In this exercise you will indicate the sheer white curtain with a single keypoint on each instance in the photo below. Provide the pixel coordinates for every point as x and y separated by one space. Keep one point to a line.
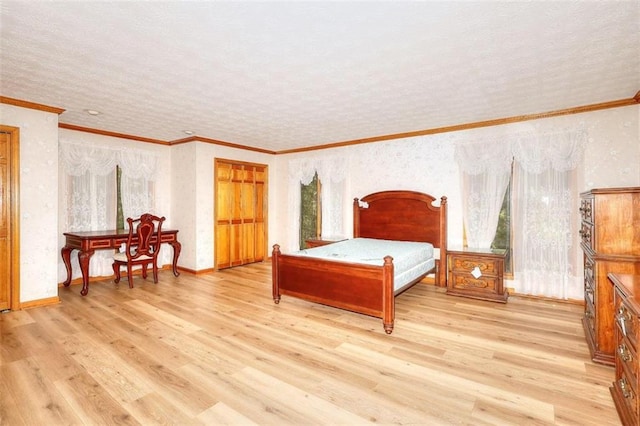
138 182
544 213
332 174
485 167
88 195
87 199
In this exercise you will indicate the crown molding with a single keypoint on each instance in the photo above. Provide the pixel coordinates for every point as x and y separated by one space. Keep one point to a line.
487 123
30 105
113 134
221 143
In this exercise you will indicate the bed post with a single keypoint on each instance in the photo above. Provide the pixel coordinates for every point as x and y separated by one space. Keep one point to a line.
275 257
388 302
356 218
441 280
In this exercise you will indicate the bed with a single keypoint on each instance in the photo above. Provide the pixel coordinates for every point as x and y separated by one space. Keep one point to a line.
367 287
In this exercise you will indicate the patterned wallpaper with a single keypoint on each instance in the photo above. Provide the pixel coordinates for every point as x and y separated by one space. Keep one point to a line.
38 200
183 200
612 158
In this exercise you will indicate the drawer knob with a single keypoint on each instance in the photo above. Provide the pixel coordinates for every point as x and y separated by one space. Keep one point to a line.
623 387
624 352
622 317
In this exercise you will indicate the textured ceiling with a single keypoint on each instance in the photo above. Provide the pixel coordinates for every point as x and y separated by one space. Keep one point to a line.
285 75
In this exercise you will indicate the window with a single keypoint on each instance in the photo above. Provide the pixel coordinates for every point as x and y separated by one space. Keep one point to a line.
310 210
502 240
88 187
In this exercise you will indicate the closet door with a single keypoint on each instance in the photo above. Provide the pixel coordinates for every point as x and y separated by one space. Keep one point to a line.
240 213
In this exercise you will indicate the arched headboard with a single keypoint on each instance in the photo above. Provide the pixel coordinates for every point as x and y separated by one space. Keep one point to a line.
403 216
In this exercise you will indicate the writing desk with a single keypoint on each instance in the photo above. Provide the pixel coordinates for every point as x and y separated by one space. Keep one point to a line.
87 242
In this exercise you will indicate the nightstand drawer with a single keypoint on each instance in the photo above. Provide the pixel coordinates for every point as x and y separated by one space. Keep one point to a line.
318 242
468 264
468 282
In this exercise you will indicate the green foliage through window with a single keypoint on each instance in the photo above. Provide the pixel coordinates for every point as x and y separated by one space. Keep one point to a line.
309 211
502 240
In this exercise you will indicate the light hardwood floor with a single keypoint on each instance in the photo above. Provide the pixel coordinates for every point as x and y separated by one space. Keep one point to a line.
215 349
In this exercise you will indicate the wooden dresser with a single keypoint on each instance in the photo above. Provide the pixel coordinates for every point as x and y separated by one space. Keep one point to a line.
477 273
610 234
624 390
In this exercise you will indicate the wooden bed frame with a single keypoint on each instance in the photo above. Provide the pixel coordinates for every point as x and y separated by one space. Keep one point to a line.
367 289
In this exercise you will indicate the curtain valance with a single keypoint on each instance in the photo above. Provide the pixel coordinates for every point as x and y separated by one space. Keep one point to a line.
535 151
329 168
78 158
560 151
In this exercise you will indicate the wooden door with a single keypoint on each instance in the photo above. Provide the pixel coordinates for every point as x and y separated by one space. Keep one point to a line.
9 249
240 217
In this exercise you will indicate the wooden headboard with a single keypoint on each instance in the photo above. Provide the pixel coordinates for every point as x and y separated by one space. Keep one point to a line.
403 216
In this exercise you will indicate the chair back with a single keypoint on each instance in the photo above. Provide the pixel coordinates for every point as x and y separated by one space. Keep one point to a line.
144 229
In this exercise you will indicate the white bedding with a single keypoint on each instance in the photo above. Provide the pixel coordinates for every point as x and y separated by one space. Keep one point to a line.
410 259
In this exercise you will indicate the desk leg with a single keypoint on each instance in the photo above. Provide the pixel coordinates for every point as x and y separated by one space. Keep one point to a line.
177 247
66 258
83 258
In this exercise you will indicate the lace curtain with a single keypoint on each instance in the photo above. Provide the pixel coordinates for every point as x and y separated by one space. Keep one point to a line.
88 195
332 174
485 167
543 201
545 248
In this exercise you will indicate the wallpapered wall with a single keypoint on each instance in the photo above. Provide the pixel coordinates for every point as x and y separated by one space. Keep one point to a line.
612 158
38 200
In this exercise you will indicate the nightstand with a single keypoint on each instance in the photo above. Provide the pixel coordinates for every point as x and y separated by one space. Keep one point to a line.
322 241
477 273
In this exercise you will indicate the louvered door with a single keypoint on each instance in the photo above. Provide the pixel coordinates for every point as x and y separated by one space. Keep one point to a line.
240 213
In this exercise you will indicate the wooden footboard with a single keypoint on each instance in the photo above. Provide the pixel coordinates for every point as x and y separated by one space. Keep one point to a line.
365 289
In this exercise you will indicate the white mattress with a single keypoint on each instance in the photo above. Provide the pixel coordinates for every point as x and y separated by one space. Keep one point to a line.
410 259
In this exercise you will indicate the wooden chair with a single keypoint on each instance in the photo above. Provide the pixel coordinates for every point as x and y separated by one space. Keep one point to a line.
140 250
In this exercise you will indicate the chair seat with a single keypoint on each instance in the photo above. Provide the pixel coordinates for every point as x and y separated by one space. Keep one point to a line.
122 257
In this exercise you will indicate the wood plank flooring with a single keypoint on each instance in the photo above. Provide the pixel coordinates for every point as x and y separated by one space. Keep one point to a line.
215 349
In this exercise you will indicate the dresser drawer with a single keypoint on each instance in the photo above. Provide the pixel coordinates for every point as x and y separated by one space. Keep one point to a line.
589 315
629 397
586 234
588 269
586 209
627 359
486 266
589 292
627 324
